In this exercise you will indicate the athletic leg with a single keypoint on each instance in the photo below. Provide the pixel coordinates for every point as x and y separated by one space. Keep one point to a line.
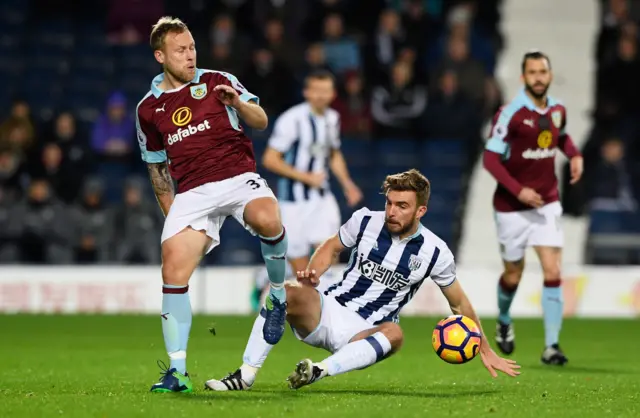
263 216
364 349
303 312
180 257
552 303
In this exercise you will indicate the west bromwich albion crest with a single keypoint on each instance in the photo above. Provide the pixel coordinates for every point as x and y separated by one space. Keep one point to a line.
414 262
556 117
199 91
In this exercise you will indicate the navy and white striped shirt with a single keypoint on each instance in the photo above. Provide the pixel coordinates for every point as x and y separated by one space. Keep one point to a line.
306 140
384 271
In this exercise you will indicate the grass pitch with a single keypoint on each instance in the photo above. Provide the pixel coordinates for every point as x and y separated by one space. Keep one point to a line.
103 366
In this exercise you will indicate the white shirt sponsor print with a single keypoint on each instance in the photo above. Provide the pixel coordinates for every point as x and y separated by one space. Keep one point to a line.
539 153
188 130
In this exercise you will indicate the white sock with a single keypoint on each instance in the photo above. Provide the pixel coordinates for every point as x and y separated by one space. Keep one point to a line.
256 351
358 355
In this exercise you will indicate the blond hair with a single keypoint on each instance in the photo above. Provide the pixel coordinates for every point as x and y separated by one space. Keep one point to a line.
163 26
411 180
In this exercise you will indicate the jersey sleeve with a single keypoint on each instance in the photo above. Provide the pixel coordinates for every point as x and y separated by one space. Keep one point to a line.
285 133
499 131
334 138
149 139
232 80
349 232
444 269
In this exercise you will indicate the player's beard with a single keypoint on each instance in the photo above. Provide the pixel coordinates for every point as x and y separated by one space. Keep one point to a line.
536 94
403 230
180 76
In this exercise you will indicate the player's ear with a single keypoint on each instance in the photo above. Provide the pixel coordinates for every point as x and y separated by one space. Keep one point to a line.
159 55
421 211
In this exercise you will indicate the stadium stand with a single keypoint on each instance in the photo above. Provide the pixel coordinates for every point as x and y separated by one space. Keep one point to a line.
73 76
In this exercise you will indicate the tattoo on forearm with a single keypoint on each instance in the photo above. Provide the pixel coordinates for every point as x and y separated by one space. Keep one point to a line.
160 178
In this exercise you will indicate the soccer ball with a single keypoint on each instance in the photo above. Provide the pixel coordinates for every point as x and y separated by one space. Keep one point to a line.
456 339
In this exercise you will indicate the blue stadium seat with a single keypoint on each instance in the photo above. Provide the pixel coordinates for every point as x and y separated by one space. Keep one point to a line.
397 154
115 174
357 152
606 222
444 153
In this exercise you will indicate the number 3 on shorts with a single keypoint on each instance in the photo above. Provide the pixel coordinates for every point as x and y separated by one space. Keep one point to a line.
255 185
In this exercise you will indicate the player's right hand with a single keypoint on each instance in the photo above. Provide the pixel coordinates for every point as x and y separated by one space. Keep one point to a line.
530 197
308 277
315 179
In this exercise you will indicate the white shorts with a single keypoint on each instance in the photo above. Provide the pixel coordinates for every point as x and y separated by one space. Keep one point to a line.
205 208
309 223
529 228
338 325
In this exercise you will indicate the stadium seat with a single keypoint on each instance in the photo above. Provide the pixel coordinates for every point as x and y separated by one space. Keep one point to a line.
357 153
397 154
444 153
606 222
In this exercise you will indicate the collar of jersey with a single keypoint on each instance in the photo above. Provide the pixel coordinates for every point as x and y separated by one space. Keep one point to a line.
412 236
525 101
160 77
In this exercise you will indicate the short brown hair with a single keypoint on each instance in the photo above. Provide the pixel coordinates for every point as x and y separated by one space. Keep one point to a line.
534 55
411 180
163 26
319 75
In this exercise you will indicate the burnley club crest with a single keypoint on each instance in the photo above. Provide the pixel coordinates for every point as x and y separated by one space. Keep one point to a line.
556 118
199 91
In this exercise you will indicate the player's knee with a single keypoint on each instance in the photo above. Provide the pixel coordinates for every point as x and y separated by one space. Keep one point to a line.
513 273
174 271
551 273
297 297
394 334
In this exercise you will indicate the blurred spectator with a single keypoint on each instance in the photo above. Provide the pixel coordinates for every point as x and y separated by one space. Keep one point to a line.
614 181
220 58
293 13
42 225
9 233
470 73
460 21
17 133
354 108
386 44
223 32
284 49
13 175
92 225
129 21
113 132
450 114
137 226
315 60
21 109
615 16
619 81
421 26
396 106
270 80
341 51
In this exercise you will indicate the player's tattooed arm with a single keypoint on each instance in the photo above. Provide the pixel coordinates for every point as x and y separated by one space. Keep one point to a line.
162 185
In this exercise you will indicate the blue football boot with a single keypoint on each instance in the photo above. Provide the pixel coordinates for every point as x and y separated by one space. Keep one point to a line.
172 381
276 313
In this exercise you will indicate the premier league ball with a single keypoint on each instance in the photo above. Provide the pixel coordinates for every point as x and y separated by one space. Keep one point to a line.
456 339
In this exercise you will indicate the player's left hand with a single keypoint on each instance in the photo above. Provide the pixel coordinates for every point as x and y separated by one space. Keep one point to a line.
577 166
353 194
496 364
227 95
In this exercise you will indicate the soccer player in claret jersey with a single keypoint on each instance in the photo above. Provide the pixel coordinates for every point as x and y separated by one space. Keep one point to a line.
526 135
188 128
356 320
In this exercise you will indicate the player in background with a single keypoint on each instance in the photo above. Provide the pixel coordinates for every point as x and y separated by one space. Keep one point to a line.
305 143
392 254
188 128
526 135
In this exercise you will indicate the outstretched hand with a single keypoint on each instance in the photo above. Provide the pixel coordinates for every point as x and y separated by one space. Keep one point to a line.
495 364
227 95
308 277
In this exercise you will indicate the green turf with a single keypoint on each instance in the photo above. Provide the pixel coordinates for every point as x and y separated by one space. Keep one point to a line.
100 366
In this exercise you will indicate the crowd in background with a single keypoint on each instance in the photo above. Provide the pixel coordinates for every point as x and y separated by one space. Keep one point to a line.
72 187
